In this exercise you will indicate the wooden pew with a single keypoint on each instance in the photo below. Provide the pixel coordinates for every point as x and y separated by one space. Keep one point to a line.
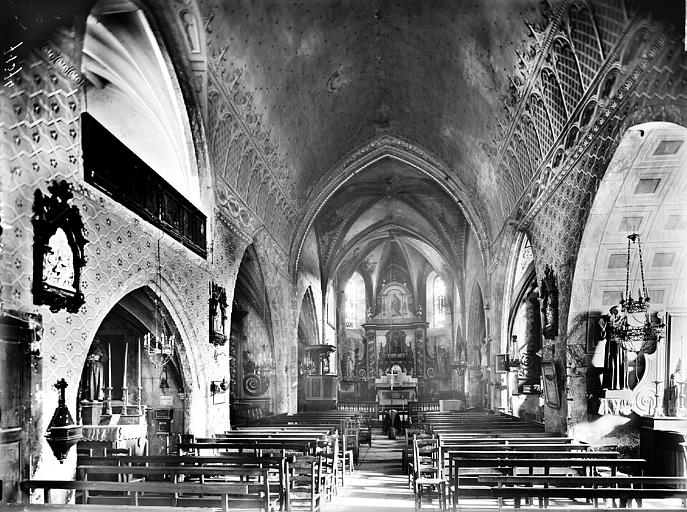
448 446
177 494
532 464
55 507
584 481
256 479
303 446
277 466
529 454
624 494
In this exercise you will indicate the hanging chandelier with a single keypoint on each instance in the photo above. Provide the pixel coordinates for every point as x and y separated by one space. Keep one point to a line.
159 344
633 329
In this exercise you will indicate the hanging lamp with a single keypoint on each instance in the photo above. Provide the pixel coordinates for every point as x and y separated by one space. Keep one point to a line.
159 344
633 329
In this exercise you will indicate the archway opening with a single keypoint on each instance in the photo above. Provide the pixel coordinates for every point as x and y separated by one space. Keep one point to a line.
251 344
126 399
477 352
643 191
524 337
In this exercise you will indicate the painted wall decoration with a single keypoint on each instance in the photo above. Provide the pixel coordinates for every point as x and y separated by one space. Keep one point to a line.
58 249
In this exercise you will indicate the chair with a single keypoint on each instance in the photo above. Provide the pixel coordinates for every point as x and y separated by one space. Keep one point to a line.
329 455
407 453
346 453
410 463
305 484
428 471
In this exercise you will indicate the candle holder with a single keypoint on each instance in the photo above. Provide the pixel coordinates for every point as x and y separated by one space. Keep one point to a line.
108 401
680 409
125 397
140 400
658 413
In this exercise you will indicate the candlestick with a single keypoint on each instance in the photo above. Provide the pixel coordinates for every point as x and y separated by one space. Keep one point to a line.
126 356
658 412
108 404
140 366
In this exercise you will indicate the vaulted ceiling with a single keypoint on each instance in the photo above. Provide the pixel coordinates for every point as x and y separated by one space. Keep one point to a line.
326 77
390 200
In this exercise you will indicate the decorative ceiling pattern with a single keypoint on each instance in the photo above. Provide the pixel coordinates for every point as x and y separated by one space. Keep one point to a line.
325 77
388 200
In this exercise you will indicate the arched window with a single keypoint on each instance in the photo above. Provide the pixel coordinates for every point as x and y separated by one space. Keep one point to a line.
437 301
355 301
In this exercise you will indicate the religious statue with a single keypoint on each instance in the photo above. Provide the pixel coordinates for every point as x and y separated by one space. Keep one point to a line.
484 354
395 343
249 365
395 305
549 309
347 366
444 362
614 361
94 383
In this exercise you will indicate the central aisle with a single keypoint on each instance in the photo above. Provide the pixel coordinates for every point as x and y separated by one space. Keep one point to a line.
378 483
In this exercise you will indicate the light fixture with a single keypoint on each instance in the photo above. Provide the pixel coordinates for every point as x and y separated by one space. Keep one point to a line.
633 329
459 363
159 344
63 433
218 386
307 366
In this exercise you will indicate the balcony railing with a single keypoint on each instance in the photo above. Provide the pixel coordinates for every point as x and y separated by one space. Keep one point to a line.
113 168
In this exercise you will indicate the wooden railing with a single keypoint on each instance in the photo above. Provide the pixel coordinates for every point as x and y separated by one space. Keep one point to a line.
113 168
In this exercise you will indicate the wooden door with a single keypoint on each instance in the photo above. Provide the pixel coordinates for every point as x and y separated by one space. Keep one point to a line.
15 405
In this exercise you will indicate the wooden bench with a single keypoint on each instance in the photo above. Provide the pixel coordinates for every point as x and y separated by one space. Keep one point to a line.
625 494
584 481
558 447
532 464
155 493
256 479
55 507
257 446
277 467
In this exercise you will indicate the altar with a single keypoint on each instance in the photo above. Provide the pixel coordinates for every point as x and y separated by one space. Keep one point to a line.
395 389
117 431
